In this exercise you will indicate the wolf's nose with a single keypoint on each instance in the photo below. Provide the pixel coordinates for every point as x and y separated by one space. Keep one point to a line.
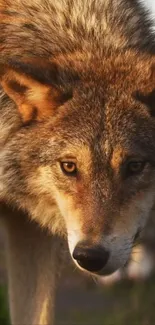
90 258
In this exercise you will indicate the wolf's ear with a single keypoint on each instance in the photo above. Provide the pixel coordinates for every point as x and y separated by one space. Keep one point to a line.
34 86
147 99
146 94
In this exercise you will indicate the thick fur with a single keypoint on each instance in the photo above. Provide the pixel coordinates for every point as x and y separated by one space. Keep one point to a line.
77 84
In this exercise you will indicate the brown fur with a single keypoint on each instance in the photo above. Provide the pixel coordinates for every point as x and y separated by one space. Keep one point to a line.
77 84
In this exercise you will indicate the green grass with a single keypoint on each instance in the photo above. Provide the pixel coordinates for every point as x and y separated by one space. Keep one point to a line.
4 314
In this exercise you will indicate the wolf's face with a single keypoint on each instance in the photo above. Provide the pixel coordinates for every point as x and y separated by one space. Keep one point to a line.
83 162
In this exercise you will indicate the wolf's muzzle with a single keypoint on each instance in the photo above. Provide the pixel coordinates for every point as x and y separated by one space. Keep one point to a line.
90 258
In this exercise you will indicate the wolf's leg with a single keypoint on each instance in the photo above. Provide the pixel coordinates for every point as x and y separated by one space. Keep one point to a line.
34 259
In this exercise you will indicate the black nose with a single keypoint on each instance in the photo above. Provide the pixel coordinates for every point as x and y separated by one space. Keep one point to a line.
90 258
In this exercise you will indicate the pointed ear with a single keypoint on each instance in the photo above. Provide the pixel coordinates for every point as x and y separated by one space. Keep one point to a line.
34 86
147 99
146 94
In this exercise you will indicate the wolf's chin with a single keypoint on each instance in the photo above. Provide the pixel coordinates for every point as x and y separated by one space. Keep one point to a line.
106 271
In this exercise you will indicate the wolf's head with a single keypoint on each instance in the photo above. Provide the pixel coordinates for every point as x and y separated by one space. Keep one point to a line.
82 160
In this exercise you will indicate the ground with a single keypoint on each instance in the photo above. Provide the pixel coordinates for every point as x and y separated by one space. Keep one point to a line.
124 303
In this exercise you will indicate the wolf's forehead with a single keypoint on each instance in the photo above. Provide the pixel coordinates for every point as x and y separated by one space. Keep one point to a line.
100 133
86 144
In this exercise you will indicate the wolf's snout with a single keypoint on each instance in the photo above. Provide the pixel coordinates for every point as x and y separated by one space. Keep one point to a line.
90 258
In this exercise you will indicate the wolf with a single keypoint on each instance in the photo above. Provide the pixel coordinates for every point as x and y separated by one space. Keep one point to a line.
77 141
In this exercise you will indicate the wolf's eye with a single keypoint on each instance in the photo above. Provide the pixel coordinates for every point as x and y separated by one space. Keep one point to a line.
135 167
69 168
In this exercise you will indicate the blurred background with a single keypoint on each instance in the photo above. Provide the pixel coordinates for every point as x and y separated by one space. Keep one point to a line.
127 297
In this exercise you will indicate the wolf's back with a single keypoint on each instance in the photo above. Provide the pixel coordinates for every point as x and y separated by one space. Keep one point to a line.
51 27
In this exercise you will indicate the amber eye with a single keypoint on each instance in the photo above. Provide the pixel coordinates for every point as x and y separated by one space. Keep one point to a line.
69 168
135 167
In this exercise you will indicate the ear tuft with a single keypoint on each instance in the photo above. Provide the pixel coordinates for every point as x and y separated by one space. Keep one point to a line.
147 99
34 86
17 87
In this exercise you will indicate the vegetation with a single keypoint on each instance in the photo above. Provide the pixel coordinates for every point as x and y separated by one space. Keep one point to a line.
4 314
